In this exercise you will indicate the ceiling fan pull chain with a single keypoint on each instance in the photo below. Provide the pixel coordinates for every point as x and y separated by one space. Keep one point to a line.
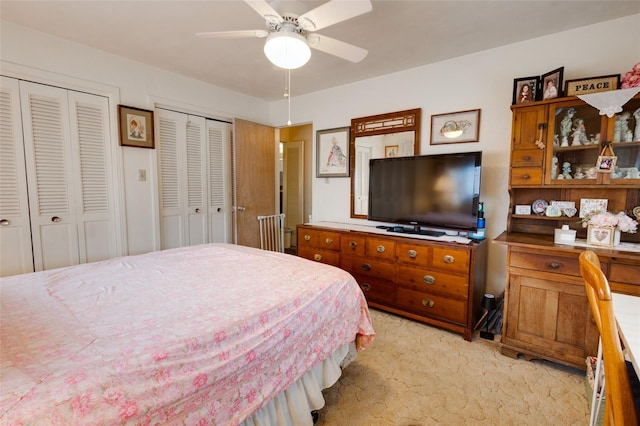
288 95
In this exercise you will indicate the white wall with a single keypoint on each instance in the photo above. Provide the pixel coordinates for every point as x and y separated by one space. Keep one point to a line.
36 56
483 80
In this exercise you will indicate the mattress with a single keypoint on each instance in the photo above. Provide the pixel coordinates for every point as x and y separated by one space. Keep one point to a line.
198 335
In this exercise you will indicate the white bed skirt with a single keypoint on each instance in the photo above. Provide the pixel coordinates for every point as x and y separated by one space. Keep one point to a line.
293 406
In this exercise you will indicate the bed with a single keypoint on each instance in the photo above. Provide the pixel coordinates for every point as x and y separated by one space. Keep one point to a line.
212 334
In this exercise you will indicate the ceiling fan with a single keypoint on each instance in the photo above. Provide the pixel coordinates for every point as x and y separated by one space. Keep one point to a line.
290 35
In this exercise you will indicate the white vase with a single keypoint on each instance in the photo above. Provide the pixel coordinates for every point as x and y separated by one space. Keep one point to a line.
616 237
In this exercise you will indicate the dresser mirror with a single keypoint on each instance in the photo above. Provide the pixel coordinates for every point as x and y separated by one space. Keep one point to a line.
395 134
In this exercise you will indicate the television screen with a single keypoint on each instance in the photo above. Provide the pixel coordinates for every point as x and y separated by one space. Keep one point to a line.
440 191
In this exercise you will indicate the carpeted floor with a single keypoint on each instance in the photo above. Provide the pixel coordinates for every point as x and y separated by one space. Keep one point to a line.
414 374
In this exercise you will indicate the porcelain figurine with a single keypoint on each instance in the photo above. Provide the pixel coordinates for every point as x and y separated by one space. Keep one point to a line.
636 133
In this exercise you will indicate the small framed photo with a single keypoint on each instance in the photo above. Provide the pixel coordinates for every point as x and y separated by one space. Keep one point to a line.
455 127
600 235
525 89
136 127
592 205
391 151
332 152
551 84
606 163
592 85
523 209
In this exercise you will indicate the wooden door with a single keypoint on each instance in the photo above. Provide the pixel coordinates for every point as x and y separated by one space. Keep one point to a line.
254 178
15 231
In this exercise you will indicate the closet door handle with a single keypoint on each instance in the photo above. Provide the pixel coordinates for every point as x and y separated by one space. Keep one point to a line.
197 210
55 219
4 222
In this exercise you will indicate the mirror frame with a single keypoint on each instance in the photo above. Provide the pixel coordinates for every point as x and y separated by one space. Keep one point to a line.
381 124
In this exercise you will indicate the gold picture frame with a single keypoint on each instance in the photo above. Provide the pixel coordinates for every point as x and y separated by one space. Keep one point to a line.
136 127
585 86
391 151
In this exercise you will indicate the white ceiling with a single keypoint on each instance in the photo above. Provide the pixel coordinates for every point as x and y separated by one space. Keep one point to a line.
399 35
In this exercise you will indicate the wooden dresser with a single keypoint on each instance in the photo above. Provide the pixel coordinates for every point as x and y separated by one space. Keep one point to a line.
546 311
438 283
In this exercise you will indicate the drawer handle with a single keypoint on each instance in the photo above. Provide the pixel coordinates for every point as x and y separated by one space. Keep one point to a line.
365 287
366 267
380 249
449 259
307 237
429 279
412 253
428 303
353 244
526 158
526 177
555 265
328 241
317 257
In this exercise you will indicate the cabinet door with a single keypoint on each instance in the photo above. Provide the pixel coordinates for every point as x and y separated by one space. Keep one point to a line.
15 231
219 178
528 142
550 315
49 164
624 131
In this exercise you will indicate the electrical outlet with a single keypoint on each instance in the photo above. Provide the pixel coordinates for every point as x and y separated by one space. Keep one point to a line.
142 175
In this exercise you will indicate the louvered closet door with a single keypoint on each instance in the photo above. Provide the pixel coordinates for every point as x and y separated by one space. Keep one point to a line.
182 162
15 231
49 164
89 119
219 176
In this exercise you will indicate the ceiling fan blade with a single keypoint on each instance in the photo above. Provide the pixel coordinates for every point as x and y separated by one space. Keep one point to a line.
332 12
234 34
337 48
265 10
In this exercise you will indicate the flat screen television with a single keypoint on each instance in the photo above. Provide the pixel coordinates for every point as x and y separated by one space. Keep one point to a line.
435 191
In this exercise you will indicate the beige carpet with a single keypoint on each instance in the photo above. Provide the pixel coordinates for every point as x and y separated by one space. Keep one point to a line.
414 374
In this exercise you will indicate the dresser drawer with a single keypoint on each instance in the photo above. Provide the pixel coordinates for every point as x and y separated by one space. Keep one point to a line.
323 256
432 305
380 248
626 274
527 157
376 289
352 244
367 267
412 254
451 260
433 281
526 176
543 263
322 239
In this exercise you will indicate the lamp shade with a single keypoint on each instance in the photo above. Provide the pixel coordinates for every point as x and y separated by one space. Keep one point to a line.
489 301
287 50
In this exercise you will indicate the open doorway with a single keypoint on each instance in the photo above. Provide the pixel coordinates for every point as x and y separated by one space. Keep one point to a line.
295 185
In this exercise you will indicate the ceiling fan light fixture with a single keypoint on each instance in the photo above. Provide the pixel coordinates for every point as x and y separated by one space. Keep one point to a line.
287 50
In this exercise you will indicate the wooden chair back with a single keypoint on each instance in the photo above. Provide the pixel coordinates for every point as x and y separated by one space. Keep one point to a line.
272 232
619 404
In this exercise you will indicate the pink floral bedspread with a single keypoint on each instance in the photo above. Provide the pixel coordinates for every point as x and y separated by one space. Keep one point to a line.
198 335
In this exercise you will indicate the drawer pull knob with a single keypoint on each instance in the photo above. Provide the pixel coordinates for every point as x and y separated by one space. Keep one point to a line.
366 267
526 177
380 249
329 241
365 287
555 265
429 279
317 257
527 158
428 303
449 259
353 244
307 237
412 253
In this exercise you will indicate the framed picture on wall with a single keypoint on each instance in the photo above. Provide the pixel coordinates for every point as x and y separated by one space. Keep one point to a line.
332 152
525 89
136 127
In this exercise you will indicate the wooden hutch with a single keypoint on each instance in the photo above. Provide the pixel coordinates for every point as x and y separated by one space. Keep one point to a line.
546 312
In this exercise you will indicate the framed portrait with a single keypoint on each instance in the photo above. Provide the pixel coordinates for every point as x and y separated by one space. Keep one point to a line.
592 85
606 163
525 89
332 152
600 235
391 151
551 84
455 127
136 127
